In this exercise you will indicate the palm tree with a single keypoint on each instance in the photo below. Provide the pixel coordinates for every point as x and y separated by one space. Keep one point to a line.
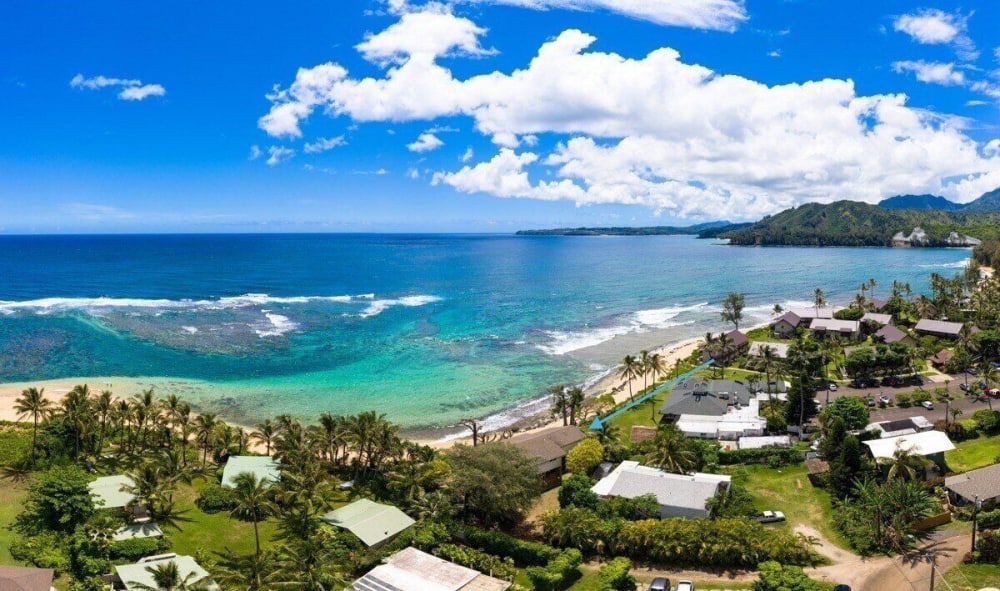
904 464
657 365
872 284
249 572
78 413
103 406
205 428
34 404
167 577
252 502
671 450
575 398
629 370
265 433
819 300
769 355
644 368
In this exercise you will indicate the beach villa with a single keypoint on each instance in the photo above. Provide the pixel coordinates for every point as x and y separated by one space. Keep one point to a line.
735 343
889 334
786 325
714 409
821 327
23 578
139 576
373 523
929 444
679 495
265 468
549 448
939 328
414 570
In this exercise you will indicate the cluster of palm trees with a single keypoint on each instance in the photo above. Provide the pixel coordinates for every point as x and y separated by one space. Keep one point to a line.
643 366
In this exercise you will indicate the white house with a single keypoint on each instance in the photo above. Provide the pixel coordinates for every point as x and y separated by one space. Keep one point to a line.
679 495
413 570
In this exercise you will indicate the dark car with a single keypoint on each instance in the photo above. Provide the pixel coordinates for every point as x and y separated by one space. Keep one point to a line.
963 387
660 584
842 588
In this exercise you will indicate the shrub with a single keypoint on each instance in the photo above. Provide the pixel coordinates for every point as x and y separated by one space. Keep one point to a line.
852 409
215 498
15 443
920 395
760 456
502 568
988 519
615 576
134 549
776 577
522 552
558 573
904 400
575 492
642 507
988 547
586 456
43 551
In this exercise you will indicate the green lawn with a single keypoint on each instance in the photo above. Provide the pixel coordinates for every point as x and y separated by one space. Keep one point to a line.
972 454
788 490
11 499
196 530
971 577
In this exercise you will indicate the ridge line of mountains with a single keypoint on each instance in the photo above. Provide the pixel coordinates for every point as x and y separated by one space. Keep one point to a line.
893 221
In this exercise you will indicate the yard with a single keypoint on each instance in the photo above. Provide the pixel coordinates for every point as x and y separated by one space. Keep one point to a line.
973 453
11 498
196 530
971 577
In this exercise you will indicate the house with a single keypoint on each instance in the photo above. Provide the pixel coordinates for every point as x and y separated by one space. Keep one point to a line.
549 448
109 492
881 319
737 422
890 334
139 576
786 325
818 470
679 495
929 444
983 484
373 523
812 312
414 570
779 350
939 328
825 326
941 358
876 305
714 409
908 426
265 468
760 442
735 343
23 578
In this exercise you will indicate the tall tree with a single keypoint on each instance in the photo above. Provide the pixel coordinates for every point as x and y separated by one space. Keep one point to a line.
628 371
34 404
819 300
672 450
265 433
252 502
732 308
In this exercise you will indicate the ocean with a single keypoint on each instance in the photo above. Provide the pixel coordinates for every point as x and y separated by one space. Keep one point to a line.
428 329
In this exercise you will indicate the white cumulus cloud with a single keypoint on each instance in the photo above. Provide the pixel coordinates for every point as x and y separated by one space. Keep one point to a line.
131 89
278 154
654 130
323 144
936 27
944 74
426 142
720 15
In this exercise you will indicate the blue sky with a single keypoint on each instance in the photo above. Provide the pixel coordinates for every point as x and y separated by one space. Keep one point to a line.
195 116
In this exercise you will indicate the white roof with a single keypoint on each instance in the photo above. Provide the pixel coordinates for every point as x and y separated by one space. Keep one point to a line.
835 325
685 493
735 421
780 350
414 570
765 441
263 467
134 576
810 312
138 531
882 319
922 444
108 493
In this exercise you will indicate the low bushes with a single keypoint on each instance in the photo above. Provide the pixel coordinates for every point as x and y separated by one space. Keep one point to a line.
134 549
215 498
614 576
557 574
502 568
761 456
522 552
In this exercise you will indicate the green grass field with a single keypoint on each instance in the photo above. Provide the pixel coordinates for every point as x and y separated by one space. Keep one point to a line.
974 453
788 490
11 498
972 577
196 530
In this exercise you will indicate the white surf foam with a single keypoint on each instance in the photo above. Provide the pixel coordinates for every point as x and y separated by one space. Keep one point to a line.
956 265
50 305
563 342
280 325
190 329
376 307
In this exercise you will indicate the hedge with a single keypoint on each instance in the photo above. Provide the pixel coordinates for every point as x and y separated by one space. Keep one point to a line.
522 552
215 498
134 549
501 568
764 455
614 575
558 574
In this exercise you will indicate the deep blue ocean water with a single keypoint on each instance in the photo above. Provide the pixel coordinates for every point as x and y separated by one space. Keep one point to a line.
426 328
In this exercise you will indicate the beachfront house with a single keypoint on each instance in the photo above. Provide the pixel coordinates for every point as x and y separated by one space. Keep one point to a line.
779 350
822 327
786 325
880 319
24 578
265 468
549 448
372 523
812 312
982 484
929 444
735 344
714 409
679 495
898 427
111 492
889 334
139 576
939 328
413 570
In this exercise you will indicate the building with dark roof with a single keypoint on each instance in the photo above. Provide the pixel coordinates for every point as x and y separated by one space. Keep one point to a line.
939 328
786 324
23 578
983 484
549 448
705 397
890 334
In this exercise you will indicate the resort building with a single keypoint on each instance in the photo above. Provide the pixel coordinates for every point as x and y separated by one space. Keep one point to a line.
139 576
779 350
929 444
812 312
983 484
939 328
822 327
889 334
679 495
786 325
373 523
23 578
549 448
412 569
881 319
265 468
908 426
714 409
110 492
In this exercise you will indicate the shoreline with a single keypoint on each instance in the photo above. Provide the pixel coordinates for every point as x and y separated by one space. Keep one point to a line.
530 415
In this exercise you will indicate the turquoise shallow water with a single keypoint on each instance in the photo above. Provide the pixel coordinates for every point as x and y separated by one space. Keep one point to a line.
428 329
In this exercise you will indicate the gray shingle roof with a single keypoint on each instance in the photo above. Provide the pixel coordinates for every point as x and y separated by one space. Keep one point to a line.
550 444
23 578
939 327
891 334
984 482
705 397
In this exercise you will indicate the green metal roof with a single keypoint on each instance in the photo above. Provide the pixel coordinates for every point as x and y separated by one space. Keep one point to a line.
138 575
371 522
108 492
263 467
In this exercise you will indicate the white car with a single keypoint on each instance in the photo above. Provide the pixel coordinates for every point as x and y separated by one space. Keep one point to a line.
770 516
685 586
927 404
833 387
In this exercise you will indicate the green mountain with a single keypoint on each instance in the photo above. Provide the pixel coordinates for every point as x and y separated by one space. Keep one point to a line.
628 231
919 202
988 202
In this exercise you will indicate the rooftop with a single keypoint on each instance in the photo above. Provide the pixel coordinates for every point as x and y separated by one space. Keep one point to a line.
812 312
263 467
890 334
921 444
413 570
780 350
550 444
939 327
884 319
688 492
373 523
899 427
23 578
835 325
705 397
138 576
138 531
790 317
984 483
108 493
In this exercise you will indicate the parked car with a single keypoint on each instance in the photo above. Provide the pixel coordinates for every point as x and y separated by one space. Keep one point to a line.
994 393
963 387
833 387
884 401
870 401
842 588
685 586
660 584
927 404
915 380
769 516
